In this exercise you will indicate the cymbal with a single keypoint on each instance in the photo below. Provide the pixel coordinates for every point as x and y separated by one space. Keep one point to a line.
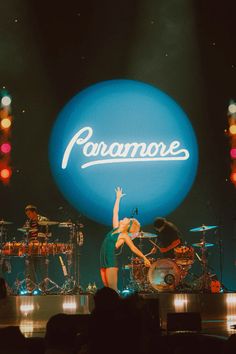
146 235
3 222
26 229
41 234
47 222
203 228
201 244
66 224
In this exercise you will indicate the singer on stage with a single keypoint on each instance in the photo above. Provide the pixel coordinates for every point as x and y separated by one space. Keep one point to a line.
113 242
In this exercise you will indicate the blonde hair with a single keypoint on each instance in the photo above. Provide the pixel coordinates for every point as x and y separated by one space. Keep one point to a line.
135 225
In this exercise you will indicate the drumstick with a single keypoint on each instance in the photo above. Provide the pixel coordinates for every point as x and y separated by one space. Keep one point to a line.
198 257
63 266
148 254
154 244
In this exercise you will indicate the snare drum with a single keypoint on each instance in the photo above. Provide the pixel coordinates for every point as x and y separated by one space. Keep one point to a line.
184 255
13 249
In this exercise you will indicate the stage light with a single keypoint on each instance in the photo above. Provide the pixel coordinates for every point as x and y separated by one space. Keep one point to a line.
5 148
233 153
26 308
6 101
5 173
180 301
126 293
232 108
232 129
5 123
233 176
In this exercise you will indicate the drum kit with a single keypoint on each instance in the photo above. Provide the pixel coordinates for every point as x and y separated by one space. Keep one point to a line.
168 275
42 247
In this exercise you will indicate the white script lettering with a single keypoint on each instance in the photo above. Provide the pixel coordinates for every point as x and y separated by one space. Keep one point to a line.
120 153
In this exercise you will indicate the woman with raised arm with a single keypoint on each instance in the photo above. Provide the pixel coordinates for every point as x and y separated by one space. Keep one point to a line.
113 242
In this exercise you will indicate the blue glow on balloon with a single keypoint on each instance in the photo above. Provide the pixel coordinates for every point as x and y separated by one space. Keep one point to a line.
90 156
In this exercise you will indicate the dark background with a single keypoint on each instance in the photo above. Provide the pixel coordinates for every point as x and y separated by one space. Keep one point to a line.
50 51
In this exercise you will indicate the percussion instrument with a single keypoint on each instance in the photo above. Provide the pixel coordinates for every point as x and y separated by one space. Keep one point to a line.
47 222
184 255
35 248
26 229
203 228
203 244
164 275
66 224
145 235
138 269
13 249
4 222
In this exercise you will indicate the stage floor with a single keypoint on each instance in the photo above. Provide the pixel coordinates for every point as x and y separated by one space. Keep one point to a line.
31 313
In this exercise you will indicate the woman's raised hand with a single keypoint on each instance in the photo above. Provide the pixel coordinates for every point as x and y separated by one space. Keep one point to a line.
119 193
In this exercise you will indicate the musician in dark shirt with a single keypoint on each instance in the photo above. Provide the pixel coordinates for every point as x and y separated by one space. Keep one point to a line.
35 263
168 237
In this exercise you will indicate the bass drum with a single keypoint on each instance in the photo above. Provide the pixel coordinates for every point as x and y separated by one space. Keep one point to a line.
164 275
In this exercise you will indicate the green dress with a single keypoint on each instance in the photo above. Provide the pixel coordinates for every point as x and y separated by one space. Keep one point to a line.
108 252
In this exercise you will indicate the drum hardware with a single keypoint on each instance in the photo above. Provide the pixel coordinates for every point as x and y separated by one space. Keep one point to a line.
76 239
26 285
3 232
47 284
204 281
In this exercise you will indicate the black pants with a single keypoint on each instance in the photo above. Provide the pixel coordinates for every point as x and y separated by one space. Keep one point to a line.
35 268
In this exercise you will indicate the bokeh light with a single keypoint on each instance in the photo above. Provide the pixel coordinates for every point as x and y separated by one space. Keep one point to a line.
232 129
232 108
5 148
233 176
5 123
5 173
6 101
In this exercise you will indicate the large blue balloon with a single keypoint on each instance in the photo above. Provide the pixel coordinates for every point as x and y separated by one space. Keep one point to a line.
123 133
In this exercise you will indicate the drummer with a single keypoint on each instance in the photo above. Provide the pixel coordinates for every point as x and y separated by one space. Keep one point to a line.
33 218
168 238
35 270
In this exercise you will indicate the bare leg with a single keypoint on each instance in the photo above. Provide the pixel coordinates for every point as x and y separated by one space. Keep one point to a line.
112 277
104 276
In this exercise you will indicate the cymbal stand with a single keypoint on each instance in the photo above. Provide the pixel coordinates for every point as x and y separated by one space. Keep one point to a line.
72 282
206 276
78 240
47 285
69 282
26 285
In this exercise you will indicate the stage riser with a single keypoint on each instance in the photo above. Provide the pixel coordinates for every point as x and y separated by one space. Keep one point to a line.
31 313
